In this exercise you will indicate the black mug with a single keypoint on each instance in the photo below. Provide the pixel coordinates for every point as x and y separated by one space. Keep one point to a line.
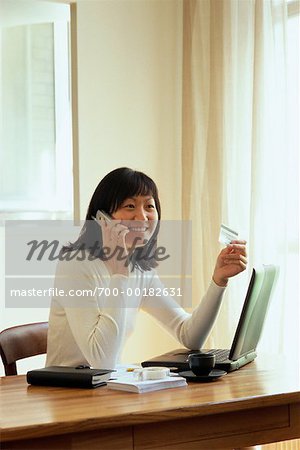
201 363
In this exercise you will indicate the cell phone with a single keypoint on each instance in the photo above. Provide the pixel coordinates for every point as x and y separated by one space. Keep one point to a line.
101 215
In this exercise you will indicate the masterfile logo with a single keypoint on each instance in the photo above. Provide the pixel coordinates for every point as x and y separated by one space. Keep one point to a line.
35 248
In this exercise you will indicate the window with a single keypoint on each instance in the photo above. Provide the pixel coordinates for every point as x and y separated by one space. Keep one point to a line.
36 148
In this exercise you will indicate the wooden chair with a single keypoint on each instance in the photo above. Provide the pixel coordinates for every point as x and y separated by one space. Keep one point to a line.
20 342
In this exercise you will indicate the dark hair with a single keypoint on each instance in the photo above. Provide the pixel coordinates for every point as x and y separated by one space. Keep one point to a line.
118 185
113 189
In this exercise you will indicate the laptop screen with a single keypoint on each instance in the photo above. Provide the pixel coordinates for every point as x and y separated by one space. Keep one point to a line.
254 311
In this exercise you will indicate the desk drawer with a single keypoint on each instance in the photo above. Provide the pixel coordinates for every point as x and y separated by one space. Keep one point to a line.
111 439
212 431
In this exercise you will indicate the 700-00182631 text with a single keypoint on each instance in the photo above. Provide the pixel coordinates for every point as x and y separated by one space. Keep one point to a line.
99 291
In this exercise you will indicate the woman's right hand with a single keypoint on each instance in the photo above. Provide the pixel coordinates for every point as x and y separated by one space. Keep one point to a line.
114 246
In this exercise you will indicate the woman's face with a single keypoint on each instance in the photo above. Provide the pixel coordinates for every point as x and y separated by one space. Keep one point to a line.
140 216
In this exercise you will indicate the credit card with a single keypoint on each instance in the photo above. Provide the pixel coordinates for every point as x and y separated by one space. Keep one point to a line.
227 235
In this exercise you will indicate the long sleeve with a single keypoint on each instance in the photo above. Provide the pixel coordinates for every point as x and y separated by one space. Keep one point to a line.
86 327
191 330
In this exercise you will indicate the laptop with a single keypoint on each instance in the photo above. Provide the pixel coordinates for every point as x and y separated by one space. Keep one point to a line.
248 332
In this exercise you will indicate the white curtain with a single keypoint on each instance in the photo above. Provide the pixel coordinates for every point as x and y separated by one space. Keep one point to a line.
239 164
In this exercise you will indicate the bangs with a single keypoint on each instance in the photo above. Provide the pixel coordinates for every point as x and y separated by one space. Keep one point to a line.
140 184
137 183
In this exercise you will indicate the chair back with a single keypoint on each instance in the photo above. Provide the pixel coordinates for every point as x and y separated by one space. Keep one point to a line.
20 342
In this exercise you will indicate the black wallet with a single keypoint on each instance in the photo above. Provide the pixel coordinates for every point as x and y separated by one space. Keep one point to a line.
81 376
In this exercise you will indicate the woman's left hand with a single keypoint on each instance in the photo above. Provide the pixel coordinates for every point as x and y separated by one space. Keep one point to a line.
231 261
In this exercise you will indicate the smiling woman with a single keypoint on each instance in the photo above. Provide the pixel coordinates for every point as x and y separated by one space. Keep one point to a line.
92 326
138 215
128 203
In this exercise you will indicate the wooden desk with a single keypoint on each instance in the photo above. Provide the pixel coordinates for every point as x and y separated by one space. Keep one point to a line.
256 404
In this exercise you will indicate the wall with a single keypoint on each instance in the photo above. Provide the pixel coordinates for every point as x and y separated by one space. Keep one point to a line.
129 97
129 59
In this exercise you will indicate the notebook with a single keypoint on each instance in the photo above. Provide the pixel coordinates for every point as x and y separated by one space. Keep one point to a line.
81 376
248 332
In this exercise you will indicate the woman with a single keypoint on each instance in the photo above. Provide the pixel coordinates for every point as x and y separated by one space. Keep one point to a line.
114 252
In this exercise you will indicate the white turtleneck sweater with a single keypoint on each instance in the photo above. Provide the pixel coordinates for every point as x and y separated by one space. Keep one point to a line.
90 325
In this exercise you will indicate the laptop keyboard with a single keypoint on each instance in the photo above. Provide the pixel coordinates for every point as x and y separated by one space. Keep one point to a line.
221 355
